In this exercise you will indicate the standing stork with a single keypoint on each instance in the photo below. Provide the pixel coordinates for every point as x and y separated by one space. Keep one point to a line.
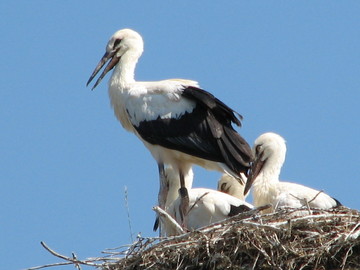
178 122
270 151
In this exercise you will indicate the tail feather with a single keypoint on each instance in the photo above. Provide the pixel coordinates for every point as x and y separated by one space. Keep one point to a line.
337 202
235 210
234 149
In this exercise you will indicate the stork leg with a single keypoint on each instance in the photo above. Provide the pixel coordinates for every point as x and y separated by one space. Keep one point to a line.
163 191
164 187
184 200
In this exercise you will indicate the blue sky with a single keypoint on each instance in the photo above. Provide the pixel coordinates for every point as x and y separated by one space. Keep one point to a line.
287 67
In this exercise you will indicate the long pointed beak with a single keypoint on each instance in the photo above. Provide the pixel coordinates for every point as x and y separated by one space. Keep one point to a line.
254 172
114 60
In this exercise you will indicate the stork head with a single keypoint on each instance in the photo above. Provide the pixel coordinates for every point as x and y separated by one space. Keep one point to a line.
123 42
270 151
231 186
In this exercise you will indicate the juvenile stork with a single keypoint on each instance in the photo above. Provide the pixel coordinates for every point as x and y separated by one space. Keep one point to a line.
231 186
178 122
206 206
270 151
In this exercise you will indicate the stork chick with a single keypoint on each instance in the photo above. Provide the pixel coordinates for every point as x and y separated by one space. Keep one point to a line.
270 151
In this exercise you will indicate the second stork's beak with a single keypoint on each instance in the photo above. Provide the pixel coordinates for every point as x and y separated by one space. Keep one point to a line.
255 169
114 60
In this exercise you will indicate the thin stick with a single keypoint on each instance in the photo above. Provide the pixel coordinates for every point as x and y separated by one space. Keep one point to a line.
49 265
197 200
169 218
73 261
128 213
305 200
78 267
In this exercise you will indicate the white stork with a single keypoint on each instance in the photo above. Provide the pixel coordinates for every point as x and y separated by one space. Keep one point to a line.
178 122
270 151
206 206
231 186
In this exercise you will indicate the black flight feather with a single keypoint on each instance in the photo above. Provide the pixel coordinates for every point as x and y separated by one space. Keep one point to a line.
206 132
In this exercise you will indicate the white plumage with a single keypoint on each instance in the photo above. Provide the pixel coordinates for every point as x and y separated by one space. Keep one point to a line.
178 122
206 206
270 151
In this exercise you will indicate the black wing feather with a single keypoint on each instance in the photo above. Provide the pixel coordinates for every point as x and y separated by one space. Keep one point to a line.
211 102
206 132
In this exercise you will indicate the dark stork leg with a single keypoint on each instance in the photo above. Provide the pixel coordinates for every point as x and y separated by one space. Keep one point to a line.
164 187
184 202
163 191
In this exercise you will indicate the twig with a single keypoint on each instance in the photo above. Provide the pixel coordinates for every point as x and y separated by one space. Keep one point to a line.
163 214
49 265
197 200
206 244
69 260
78 267
321 191
128 213
304 201
343 264
238 218
255 261
352 231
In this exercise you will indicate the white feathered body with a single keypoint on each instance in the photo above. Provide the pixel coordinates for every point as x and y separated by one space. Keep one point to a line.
207 206
287 194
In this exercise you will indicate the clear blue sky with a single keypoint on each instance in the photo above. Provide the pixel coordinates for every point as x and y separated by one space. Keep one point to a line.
288 67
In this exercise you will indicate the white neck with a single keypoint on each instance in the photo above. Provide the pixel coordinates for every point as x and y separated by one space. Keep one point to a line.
268 176
265 186
124 71
238 192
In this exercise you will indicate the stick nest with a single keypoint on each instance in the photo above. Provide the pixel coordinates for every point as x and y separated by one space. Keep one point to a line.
322 239
318 239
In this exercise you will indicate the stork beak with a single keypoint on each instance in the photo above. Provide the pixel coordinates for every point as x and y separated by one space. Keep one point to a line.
114 60
255 169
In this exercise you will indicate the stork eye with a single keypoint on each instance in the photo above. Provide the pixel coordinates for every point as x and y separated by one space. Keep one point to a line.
224 188
116 42
258 149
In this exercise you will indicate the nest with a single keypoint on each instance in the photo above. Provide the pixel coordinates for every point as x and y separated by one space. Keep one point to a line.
320 239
